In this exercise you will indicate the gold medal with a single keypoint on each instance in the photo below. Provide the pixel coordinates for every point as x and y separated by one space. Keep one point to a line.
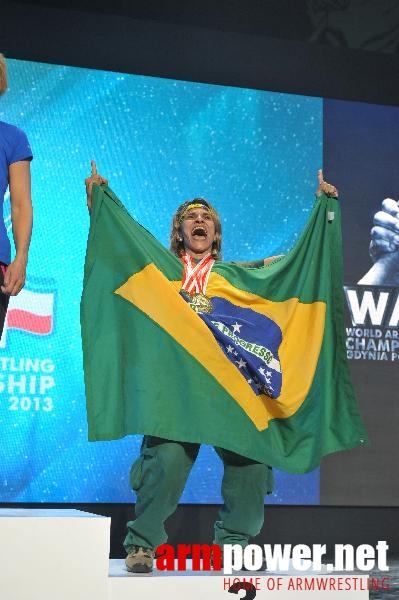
199 302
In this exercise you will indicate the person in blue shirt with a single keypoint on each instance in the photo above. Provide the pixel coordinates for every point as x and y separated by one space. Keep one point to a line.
15 157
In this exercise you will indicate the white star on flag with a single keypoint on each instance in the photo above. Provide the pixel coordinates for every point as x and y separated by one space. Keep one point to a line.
236 327
229 349
241 363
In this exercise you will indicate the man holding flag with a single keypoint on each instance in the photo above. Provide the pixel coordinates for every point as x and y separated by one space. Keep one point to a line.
250 359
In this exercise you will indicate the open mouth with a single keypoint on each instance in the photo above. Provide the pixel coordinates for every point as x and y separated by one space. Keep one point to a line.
199 232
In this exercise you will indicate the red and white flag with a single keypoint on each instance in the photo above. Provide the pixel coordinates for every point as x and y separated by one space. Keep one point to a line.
30 311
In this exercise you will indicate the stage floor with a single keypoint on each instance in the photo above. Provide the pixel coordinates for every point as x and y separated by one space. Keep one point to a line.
393 576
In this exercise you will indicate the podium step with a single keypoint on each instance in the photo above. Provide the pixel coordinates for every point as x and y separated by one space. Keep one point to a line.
53 555
63 555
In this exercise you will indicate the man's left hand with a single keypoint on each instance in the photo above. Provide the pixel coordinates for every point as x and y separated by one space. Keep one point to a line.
324 187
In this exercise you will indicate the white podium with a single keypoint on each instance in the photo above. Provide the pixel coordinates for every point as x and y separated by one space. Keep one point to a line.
64 555
53 555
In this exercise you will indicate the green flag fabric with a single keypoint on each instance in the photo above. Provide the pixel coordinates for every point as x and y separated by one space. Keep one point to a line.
264 374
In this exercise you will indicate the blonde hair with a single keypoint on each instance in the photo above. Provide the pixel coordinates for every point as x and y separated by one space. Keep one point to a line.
3 75
176 243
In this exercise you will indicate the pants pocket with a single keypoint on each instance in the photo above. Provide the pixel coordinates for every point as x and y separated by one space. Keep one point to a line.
136 473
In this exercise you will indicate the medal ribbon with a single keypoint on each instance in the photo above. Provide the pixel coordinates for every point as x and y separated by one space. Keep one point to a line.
195 276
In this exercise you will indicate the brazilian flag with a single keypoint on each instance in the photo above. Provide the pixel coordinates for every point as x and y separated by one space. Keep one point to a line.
263 374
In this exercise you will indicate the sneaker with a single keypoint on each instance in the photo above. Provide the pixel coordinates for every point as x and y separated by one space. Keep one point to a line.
140 560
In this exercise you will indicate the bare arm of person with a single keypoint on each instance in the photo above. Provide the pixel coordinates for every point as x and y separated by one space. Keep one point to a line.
21 218
323 187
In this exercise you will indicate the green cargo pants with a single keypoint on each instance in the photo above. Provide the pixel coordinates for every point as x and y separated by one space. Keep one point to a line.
159 475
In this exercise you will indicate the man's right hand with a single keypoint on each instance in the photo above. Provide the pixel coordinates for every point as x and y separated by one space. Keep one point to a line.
93 178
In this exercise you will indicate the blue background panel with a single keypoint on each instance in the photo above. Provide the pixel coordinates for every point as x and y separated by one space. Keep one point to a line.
253 154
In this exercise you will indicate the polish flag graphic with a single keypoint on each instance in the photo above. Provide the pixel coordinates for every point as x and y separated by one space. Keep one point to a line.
30 311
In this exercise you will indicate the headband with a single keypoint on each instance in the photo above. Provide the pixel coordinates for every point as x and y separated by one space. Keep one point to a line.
191 206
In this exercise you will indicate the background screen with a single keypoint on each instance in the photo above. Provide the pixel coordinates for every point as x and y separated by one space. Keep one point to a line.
254 155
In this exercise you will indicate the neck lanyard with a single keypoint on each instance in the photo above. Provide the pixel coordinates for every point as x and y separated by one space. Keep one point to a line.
196 275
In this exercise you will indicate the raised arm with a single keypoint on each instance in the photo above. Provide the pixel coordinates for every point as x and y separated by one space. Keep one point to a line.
93 178
323 187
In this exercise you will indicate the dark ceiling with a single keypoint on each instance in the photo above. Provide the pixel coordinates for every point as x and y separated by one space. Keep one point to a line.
281 18
328 48
364 24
